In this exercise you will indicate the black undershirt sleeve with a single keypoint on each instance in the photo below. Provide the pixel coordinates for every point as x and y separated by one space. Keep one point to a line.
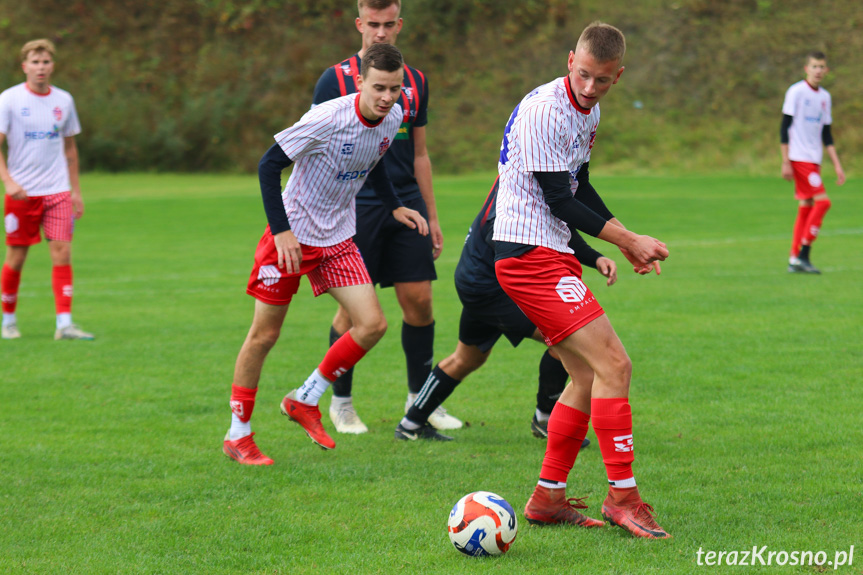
558 195
270 176
827 135
588 195
783 129
383 187
583 252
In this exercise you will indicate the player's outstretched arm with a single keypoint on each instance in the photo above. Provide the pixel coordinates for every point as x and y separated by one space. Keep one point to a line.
412 219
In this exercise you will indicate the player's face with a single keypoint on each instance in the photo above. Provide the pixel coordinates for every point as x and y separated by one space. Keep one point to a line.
38 68
591 79
379 90
815 71
379 26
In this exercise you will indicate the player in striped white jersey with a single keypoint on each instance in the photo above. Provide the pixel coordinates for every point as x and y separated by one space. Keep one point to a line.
334 147
804 134
546 142
39 123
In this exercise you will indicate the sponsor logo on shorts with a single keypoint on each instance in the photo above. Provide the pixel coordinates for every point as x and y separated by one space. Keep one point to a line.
571 289
814 179
11 223
623 443
269 275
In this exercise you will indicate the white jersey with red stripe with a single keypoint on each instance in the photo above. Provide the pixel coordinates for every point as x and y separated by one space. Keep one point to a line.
547 132
35 125
810 109
334 149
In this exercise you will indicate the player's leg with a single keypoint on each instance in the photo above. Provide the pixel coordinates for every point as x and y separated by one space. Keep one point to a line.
552 381
21 223
813 204
820 205
10 280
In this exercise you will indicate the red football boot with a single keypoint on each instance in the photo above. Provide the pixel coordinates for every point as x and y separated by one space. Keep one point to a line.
550 507
624 508
245 451
309 416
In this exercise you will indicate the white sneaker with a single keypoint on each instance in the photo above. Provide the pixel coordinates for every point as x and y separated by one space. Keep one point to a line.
72 331
439 419
346 420
11 331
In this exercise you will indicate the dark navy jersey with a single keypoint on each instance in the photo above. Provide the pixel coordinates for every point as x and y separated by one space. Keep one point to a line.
339 80
474 273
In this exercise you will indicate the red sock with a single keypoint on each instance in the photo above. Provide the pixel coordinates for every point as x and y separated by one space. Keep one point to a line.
342 356
813 224
61 279
243 402
9 282
612 422
567 427
799 226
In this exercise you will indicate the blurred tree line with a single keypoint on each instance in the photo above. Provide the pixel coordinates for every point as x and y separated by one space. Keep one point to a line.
193 85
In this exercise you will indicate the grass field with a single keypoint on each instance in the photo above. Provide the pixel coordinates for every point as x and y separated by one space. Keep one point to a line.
746 398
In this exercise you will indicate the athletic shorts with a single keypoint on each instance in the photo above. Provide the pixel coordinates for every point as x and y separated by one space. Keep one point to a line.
484 318
53 213
393 252
334 266
807 180
547 286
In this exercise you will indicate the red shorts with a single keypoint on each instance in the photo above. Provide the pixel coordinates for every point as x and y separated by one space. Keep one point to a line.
340 265
24 217
547 286
807 180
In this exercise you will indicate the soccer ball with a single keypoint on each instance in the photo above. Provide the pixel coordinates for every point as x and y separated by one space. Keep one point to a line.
482 523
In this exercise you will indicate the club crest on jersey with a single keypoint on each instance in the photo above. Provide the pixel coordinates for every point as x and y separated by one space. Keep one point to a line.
409 93
347 149
25 111
58 114
346 68
385 144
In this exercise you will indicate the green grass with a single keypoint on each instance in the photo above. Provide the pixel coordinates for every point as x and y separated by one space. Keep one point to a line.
745 395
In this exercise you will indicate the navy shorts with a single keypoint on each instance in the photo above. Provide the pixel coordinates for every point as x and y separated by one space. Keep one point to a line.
394 253
484 318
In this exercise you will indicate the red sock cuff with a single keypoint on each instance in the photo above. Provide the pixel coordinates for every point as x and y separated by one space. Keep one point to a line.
568 421
605 406
243 402
342 356
243 393
9 282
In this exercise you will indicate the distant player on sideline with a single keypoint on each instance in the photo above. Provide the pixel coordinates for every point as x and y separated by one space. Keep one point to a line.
41 179
487 313
394 256
806 121
335 147
546 142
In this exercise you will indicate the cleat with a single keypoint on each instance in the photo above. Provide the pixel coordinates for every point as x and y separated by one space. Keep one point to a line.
551 507
427 431
309 417
806 266
624 508
11 331
72 331
439 418
346 420
540 430
245 451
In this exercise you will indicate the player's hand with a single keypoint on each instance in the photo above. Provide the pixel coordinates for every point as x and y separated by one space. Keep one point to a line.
14 191
412 219
640 267
608 268
840 176
290 253
77 205
644 250
787 172
436 237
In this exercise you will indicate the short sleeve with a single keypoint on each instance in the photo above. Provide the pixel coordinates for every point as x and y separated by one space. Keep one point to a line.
5 113
308 136
541 132
73 124
789 105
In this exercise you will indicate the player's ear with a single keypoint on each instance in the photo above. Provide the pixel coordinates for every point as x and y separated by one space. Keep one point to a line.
619 72
359 24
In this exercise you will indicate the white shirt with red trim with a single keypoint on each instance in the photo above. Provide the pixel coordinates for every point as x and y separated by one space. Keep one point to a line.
334 149
547 132
810 109
35 125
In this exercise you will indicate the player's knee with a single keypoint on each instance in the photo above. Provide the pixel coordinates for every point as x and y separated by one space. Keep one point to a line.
370 331
264 337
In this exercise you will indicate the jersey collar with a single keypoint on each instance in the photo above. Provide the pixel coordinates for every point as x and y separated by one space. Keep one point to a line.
572 99
41 95
811 87
365 122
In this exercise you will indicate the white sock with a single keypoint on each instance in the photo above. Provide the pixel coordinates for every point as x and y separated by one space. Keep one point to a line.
622 483
64 320
313 388
552 484
340 402
408 424
238 428
542 416
9 319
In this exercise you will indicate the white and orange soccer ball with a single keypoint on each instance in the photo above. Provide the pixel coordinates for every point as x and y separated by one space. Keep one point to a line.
482 523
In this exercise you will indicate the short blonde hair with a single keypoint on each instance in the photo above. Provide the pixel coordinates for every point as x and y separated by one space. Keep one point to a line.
40 45
603 41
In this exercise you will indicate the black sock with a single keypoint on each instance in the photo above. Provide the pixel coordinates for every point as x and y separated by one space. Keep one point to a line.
418 344
344 384
434 392
552 380
803 254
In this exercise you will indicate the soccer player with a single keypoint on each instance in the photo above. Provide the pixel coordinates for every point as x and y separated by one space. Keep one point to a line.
335 147
487 313
547 141
393 255
805 132
40 123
